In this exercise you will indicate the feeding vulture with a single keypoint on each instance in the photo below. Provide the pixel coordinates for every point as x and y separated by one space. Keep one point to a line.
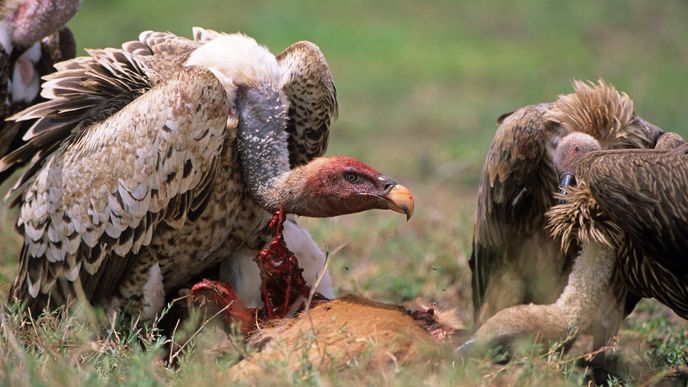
515 260
628 212
32 39
153 162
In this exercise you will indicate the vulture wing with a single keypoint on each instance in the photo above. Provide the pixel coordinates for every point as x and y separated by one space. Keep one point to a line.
643 191
516 189
83 91
98 189
308 83
54 48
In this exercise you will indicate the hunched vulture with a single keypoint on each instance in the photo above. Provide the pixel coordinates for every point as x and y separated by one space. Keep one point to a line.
156 161
627 211
515 260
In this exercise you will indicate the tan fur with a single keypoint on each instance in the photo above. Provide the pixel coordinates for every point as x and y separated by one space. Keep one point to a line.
334 334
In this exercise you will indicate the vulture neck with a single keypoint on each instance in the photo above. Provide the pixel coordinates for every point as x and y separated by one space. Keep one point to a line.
262 148
570 314
588 281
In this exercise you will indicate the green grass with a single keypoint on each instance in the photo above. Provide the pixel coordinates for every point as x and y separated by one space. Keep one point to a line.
420 85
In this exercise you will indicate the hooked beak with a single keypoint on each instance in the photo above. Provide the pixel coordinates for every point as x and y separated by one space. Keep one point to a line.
566 181
399 199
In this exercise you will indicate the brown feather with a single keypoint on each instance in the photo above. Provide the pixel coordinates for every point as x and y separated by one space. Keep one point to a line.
312 94
517 187
633 201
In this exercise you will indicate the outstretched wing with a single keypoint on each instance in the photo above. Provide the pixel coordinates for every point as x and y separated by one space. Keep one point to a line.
308 83
516 188
103 193
83 91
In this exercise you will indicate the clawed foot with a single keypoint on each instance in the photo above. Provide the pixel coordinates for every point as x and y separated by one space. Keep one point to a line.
223 296
499 336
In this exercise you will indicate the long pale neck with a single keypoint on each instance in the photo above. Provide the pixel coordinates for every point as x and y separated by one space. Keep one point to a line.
571 313
262 144
588 282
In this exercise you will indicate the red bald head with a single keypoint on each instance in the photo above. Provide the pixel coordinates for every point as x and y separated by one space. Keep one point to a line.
331 186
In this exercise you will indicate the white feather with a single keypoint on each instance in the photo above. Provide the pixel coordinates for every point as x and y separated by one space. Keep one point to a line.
25 79
33 287
237 59
6 36
311 257
242 273
153 293
73 273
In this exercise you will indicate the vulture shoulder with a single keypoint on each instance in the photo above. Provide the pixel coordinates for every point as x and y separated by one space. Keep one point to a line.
518 177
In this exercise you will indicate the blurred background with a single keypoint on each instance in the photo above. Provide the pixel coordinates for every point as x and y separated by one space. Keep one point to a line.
420 85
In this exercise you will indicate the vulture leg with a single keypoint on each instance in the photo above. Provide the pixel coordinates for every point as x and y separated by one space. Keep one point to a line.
573 312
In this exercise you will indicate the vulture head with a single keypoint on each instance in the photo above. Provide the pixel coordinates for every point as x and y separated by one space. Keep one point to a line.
569 152
332 186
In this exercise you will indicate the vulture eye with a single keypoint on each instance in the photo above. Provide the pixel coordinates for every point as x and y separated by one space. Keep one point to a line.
351 177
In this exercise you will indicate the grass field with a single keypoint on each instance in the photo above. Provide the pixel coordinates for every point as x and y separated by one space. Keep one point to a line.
420 85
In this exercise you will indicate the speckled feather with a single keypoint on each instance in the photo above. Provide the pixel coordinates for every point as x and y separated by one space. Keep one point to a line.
515 190
308 84
150 177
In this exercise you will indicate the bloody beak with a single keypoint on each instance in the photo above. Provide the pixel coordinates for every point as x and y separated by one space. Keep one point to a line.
399 199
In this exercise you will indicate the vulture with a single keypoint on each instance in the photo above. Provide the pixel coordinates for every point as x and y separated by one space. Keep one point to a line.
627 211
153 162
32 39
515 260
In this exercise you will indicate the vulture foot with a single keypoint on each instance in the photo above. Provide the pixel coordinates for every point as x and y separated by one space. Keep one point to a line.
223 296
